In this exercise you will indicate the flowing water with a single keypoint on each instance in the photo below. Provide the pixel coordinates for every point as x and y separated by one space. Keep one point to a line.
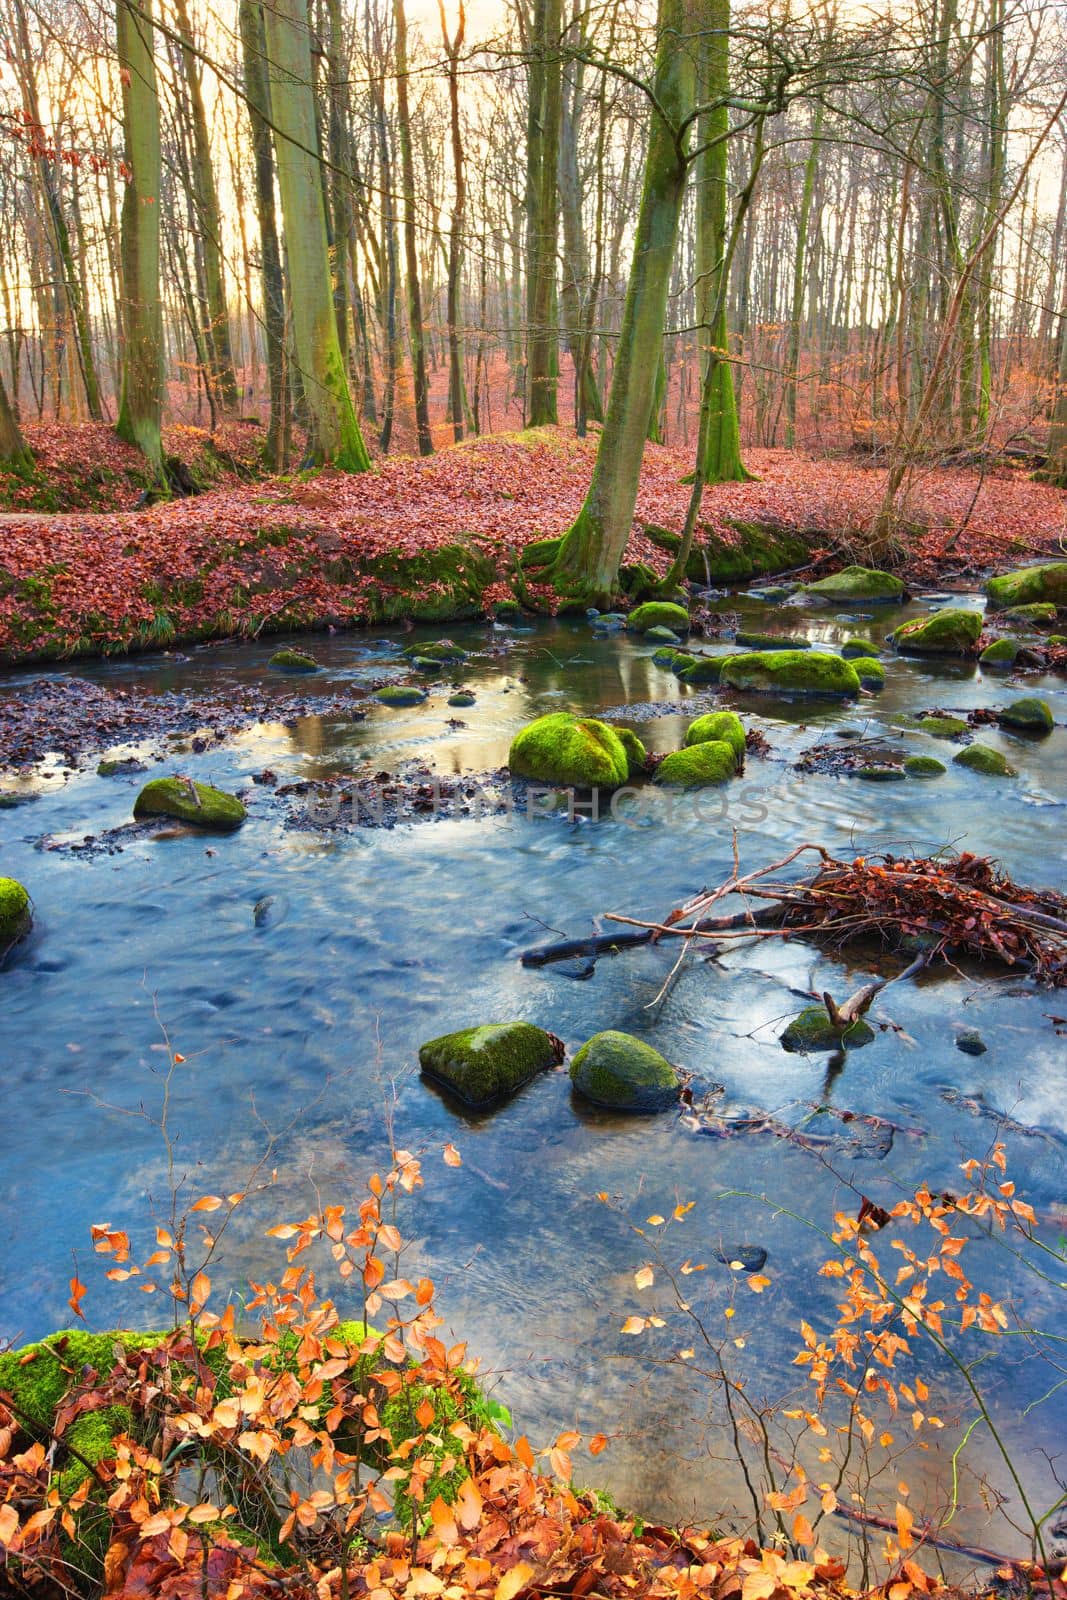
307 1020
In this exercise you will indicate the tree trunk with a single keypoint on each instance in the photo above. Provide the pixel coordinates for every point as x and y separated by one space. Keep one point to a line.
588 561
141 405
15 453
542 357
416 332
457 393
800 261
257 92
334 436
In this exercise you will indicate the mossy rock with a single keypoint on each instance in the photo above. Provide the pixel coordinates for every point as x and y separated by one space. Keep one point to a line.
791 672
1027 585
713 761
503 609
943 727
1041 611
980 758
880 772
622 1073
859 583
195 803
681 661
636 754
699 669
812 1031
660 635
539 553
1030 714
664 656
441 651
462 697
442 585
871 673
721 725
16 916
484 1064
945 633
578 751
1001 653
658 614
400 694
771 641
859 650
293 661
924 767
428 665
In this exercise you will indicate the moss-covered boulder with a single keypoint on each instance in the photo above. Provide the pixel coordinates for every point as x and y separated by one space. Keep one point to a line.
699 670
195 803
661 635
943 727
622 1073
924 767
1030 715
400 694
791 672
770 641
981 758
16 917
1040 613
636 754
722 725
859 650
812 1031
462 697
871 673
293 661
658 614
682 661
507 610
1001 653
1027 585
664 656
713 761
858 583
578 751
880 772
440 650
487 1063
945 633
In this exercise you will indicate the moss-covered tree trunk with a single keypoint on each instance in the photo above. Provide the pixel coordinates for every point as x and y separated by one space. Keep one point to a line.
720 438
257 94
333 431
141 404
588 561
15 453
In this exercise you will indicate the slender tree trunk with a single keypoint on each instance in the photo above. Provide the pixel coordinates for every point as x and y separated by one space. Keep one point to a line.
543 361
141 406
257 92
416 331
334 436
457 392
15 453
800 264
1057 439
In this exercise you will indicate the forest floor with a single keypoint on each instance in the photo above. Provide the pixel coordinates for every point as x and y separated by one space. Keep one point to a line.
255 554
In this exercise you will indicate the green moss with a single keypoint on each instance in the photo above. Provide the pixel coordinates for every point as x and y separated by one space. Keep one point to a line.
441 650
758 548
1001 653
858 583
713 761
462 697
664 657
16 917
1047 582
871 673
622 1073
563 748
980 758
699 669
293 661
1039 611
637 580
722 725
924 767
540 553
507 608
636 754
771 641
196 803
658 614
880 773
812 1030
660 635
859 649
1030 714
945 633
428 664
481 1065
682 661
943 727
400 694
437 586
791 672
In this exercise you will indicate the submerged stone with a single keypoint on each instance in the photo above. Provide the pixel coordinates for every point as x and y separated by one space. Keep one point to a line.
1030 714
924 767
858 583
293 661
945 633
462 697
658 614
661 635
16 918
622 1073
943 727
811 1030
664 657
880 774
721 725
440 650
195 803
400 694
713 761
742 1257
791 672
980 758
563 748
970 1041
1046 582
483 1064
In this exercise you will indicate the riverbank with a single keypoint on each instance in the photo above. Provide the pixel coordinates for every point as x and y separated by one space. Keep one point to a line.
439 540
